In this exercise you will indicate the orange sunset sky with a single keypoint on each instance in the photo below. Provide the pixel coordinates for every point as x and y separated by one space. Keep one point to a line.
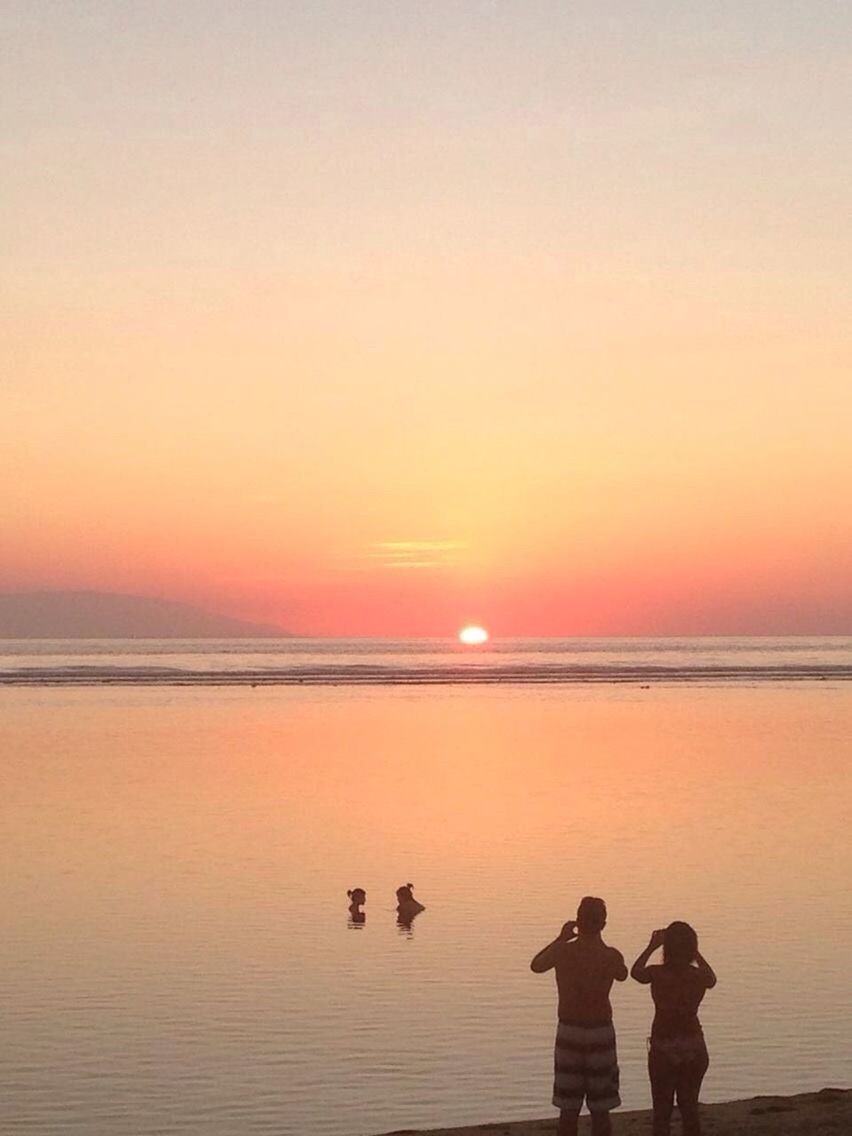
379 317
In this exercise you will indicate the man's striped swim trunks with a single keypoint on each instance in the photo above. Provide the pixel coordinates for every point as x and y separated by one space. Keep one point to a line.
586 1067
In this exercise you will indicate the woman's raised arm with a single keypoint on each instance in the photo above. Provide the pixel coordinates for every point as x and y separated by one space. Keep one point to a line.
706 969
640 970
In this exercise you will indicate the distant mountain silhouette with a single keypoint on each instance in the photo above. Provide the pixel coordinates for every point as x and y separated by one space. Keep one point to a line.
109 615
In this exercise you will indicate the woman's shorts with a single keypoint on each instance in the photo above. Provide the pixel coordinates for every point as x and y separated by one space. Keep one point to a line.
585 1067
684 1049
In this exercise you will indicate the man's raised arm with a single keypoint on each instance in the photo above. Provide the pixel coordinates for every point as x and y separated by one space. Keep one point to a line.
619 966
547 956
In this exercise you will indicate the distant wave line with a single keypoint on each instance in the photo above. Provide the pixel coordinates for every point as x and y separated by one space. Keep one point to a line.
366 674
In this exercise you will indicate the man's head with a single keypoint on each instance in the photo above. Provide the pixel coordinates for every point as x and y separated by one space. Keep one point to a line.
591 915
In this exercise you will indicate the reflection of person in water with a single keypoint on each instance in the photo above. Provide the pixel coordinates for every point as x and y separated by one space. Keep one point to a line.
407 907
677 1058
357 899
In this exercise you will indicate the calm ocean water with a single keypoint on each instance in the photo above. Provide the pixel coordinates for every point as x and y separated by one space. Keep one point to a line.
177 956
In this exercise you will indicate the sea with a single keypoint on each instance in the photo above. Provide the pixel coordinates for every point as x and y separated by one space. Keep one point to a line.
181 821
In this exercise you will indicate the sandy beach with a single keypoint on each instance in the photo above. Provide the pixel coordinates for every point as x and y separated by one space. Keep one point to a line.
826 1113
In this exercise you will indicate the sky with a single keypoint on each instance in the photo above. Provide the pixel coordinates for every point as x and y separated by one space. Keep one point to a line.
376 318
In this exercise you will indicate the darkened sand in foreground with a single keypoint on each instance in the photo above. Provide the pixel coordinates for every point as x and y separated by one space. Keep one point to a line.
826 1113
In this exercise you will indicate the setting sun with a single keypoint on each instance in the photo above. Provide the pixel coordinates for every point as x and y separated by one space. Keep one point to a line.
473 636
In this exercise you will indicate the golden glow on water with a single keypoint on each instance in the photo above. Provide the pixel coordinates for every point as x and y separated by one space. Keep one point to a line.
176 867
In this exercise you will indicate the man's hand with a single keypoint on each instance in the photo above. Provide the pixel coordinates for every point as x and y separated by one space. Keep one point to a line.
657 939
548 956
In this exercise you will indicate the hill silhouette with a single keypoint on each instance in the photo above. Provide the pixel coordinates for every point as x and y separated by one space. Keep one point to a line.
112 615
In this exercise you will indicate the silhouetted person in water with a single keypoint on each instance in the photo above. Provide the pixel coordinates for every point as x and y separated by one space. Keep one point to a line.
677 1057
407 906
357 899
586 1064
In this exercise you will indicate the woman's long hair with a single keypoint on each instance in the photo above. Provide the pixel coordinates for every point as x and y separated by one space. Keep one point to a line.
404 893
680 944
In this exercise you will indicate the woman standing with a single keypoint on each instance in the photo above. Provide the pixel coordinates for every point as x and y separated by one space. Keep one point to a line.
677 1057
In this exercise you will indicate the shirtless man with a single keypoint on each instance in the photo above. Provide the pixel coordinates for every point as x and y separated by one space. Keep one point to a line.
586 1065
